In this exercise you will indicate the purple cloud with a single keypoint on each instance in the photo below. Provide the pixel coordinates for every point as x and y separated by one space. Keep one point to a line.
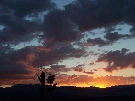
118 60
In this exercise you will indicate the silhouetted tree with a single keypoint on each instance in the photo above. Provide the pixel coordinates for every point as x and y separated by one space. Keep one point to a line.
50 87
42 82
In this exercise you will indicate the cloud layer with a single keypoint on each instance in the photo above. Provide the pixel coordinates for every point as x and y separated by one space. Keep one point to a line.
58 30
118 60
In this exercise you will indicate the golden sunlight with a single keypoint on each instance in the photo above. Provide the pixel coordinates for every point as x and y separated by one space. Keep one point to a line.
5 86
100 86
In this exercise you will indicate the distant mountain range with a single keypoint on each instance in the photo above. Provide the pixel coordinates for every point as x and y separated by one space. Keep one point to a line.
23 92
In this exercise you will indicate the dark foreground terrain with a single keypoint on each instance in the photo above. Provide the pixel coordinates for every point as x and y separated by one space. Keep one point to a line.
32 93
104 98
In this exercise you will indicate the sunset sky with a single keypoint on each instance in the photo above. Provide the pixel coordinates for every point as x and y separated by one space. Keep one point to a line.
82 42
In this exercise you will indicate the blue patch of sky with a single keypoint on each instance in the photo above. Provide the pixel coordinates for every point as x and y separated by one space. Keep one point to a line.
123 28
2 27
34 42
38 18
61 3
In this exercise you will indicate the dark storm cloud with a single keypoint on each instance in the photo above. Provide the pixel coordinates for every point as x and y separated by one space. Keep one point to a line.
110 39
115 36
56 55
59 27
26 7
21 64
109 29
91 14
98 41
80 68
91 72
13 64
16 30
63 68
66 24
59 68
92 63
81 16
92 53
117 60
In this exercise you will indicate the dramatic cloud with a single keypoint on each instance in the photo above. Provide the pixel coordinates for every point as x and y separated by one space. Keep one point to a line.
109 29
115 36
80 68
14 64
91 72
62 68
92 63
17 30
56 55
117 60
58 26
62 25
98 41
110 39
17 19
57 30
22 63
59 68
90 14
26 7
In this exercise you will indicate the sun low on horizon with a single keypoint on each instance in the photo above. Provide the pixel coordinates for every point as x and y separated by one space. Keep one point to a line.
83 43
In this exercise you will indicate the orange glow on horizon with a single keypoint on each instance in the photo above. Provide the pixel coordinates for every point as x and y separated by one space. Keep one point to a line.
86 85
78 81
100 86
5 86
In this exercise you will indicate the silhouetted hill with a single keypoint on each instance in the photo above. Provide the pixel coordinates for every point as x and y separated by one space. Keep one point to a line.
69 93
